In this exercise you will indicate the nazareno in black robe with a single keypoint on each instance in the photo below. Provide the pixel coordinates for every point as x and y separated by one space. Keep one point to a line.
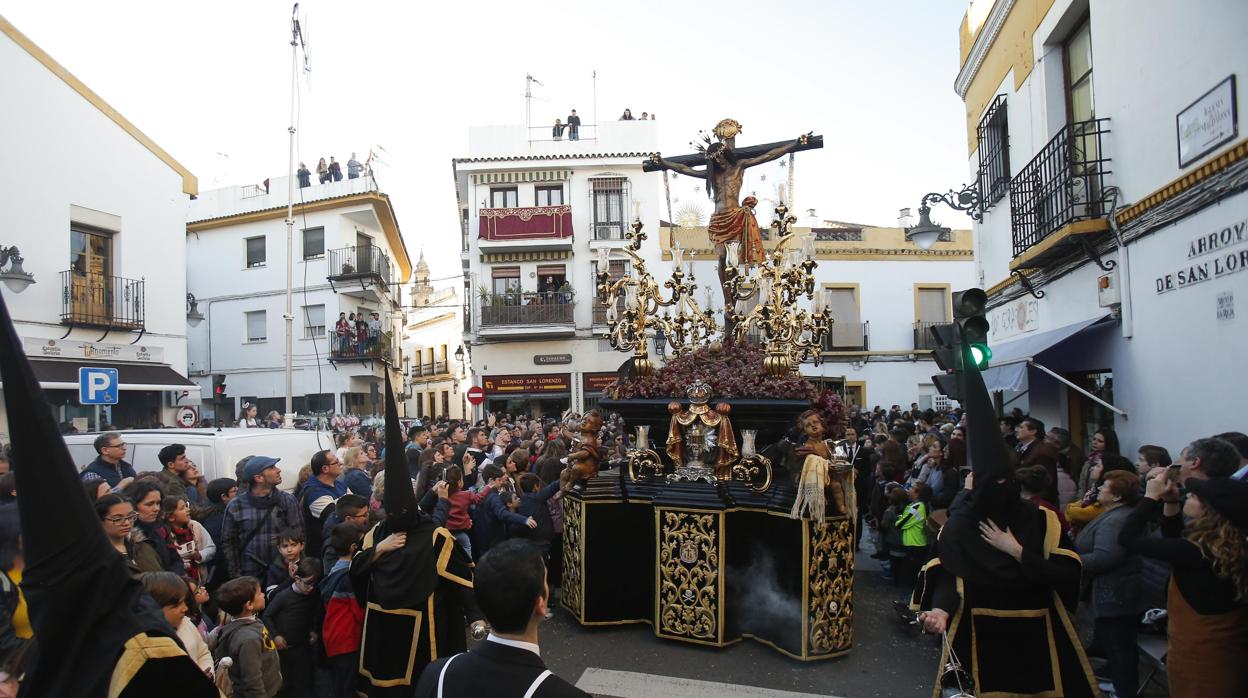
416 599
1009 622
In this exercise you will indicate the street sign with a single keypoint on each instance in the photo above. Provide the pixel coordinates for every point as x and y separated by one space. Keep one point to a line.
97 386
187 417
476 395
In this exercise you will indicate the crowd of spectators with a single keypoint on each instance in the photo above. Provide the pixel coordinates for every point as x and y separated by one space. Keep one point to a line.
1163 543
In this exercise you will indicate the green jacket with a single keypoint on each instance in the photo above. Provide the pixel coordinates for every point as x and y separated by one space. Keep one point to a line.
911 522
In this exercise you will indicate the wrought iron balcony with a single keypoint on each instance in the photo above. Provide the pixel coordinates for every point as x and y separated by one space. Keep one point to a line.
551 308
1063 184
367 263
102 300
923 337
848 336
434 368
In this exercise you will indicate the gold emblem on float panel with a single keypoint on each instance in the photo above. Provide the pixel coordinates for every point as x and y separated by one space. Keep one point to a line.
829 576
690 588
571 593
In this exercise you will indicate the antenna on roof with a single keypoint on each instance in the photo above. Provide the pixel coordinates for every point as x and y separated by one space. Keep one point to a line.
528 103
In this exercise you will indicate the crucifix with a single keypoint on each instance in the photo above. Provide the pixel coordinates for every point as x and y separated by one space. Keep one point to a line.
724 169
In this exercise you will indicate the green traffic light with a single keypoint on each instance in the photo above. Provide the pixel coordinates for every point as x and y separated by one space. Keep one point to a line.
981 354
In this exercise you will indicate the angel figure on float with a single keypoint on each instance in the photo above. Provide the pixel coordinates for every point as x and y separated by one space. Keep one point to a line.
825 471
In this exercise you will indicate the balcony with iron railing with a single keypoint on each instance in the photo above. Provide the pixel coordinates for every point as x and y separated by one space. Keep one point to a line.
848 336
102 300
1062 196
430 368
923 340
526 309
367 264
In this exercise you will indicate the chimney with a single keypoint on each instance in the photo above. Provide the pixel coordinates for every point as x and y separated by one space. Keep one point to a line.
904 219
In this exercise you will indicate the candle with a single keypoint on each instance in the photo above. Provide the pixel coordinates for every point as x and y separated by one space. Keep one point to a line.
781 192
808 245
637 210
678 256
643 436
630 295
603 255
731 253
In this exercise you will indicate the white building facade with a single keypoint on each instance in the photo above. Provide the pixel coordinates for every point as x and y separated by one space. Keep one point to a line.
93 207
533 214
434 358
1105 136
348 260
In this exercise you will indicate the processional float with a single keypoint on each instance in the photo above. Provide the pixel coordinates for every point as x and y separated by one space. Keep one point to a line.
730 517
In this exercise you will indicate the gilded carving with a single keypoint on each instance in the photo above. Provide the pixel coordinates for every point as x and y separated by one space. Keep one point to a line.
689 569
830 576
573 564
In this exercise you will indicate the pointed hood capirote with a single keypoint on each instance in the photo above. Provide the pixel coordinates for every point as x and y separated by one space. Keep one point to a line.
119 644
400 499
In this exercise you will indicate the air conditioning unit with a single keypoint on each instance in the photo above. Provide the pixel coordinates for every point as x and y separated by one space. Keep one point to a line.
609 232
1107 290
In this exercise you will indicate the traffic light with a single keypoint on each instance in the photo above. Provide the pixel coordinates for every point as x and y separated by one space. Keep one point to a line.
962 345
968 313
218 386
948 358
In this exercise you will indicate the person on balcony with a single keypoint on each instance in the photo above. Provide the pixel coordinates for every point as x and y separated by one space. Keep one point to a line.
565 292
627 116
322 171
335 169
304 175
574 126
354 168
557 131
361 335
374 331
342 331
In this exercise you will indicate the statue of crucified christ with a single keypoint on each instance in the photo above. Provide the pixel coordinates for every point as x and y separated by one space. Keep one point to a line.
733 219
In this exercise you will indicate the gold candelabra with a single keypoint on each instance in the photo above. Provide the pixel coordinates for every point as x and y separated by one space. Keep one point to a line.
643 298
791 335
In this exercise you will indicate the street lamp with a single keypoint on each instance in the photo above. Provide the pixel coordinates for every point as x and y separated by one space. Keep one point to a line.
459 355
15 277
193 316
925 233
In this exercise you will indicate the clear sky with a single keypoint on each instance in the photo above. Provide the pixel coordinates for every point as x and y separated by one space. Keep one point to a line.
210 83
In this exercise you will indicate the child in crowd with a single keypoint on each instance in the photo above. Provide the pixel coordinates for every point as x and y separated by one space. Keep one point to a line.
293 618
195 546
458 521
350 508
172 593
913 525
892 550
494 517
255 671
289 552
343 623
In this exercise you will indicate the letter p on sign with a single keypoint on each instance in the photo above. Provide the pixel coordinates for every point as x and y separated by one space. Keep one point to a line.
97 386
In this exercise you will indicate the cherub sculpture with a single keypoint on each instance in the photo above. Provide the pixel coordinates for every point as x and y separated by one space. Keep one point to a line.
824 472
583 462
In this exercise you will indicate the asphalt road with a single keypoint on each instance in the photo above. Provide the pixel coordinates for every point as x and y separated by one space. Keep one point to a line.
888 658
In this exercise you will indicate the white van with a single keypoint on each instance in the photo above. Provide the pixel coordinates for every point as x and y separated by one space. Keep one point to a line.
215 451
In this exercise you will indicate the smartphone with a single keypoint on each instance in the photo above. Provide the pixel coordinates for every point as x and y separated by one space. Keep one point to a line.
1172 472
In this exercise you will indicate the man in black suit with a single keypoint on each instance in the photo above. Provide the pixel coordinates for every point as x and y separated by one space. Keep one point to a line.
510 586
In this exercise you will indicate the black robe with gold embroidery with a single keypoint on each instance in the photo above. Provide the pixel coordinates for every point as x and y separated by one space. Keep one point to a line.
1009 621
416 603
416 600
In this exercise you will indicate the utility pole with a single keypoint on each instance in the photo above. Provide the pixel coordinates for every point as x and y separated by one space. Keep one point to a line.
296 38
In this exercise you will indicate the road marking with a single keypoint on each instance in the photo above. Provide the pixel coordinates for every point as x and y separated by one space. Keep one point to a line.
630 684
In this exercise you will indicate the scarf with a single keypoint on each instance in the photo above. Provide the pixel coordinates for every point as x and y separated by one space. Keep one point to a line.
810 486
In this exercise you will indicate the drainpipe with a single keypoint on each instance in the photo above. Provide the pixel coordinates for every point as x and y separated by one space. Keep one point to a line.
1124 264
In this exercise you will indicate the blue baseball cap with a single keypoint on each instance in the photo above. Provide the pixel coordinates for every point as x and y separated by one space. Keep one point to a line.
258 464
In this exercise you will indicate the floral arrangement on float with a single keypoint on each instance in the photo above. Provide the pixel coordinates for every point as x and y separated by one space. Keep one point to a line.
733 371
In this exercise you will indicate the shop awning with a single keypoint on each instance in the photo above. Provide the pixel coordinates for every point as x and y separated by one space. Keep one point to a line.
63 375
1008 368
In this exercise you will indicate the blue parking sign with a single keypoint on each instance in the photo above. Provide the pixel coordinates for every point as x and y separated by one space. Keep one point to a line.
97 386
